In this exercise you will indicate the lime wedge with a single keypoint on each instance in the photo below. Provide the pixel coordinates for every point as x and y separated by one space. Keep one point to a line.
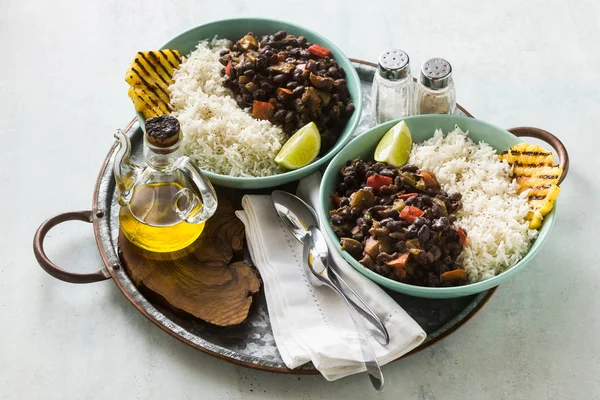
301 149
394 147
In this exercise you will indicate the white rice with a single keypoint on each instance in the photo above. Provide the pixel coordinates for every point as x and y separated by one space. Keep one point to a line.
493 214
217 134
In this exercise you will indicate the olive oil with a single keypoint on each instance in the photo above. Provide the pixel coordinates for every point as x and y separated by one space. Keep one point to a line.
166 201
150 222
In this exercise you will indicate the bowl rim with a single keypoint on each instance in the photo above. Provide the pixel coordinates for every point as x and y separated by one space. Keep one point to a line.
350 127
469 288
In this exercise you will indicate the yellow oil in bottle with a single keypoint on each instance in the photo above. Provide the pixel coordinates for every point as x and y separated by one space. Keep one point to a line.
151 223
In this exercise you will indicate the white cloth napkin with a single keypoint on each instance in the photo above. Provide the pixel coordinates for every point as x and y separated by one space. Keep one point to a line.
310 322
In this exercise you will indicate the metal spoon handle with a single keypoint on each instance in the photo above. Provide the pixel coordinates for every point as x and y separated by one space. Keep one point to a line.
373 368
363 308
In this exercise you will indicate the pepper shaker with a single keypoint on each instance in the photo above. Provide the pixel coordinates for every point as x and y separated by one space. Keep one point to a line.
392 91
435 93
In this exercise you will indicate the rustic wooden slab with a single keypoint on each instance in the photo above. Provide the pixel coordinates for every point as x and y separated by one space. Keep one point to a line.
201 280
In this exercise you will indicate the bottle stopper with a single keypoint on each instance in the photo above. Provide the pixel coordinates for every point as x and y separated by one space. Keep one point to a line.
163 131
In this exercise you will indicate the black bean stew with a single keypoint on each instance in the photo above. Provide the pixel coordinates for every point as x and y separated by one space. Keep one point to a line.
399 223
290 82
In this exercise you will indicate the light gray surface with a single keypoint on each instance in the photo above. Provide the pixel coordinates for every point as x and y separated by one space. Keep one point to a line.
62 93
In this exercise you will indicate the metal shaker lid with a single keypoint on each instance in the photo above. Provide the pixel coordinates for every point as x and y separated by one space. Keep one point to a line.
394 64
436 73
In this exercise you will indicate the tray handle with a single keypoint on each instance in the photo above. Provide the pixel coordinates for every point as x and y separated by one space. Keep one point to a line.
51 268
527 131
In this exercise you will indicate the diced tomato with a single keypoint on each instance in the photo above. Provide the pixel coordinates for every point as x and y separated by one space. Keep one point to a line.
377 181
462 235
319 51
407 196
411 213
228 69
262 109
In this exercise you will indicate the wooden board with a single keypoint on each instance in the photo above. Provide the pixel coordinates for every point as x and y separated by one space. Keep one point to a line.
201 280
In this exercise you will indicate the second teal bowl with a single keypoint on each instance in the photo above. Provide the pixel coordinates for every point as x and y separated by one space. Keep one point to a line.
422 128
233 29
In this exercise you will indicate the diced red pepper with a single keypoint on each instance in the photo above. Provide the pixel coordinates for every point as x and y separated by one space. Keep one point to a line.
457 275
284 90
262 109
319 51
228 69
407 196
462 235
410 213
377 181
398 262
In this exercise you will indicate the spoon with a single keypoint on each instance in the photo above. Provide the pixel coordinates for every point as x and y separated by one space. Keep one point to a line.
297 216
315 255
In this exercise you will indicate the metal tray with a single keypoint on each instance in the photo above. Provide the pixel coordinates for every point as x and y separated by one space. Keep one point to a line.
251 343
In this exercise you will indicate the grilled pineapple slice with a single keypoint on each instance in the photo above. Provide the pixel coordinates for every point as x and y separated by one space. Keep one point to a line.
534 170
541 201
542 174
149 77
528 182
544 200
527 154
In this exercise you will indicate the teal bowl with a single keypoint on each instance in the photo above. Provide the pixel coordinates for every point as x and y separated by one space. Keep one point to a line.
422 128
233 29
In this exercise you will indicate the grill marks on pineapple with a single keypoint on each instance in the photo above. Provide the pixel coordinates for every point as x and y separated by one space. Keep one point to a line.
528 153
537 197
160 75
175 55
156 102
167 67
540 171
150 75
150 100
533 165
535 172
531 183
161 90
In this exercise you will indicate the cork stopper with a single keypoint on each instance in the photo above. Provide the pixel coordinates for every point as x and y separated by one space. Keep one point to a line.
163 131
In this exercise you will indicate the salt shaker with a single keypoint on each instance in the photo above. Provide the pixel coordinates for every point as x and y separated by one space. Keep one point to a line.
392 92
435 92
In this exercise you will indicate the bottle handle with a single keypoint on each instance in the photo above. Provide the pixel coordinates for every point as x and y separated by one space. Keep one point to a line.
125 172
186 203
